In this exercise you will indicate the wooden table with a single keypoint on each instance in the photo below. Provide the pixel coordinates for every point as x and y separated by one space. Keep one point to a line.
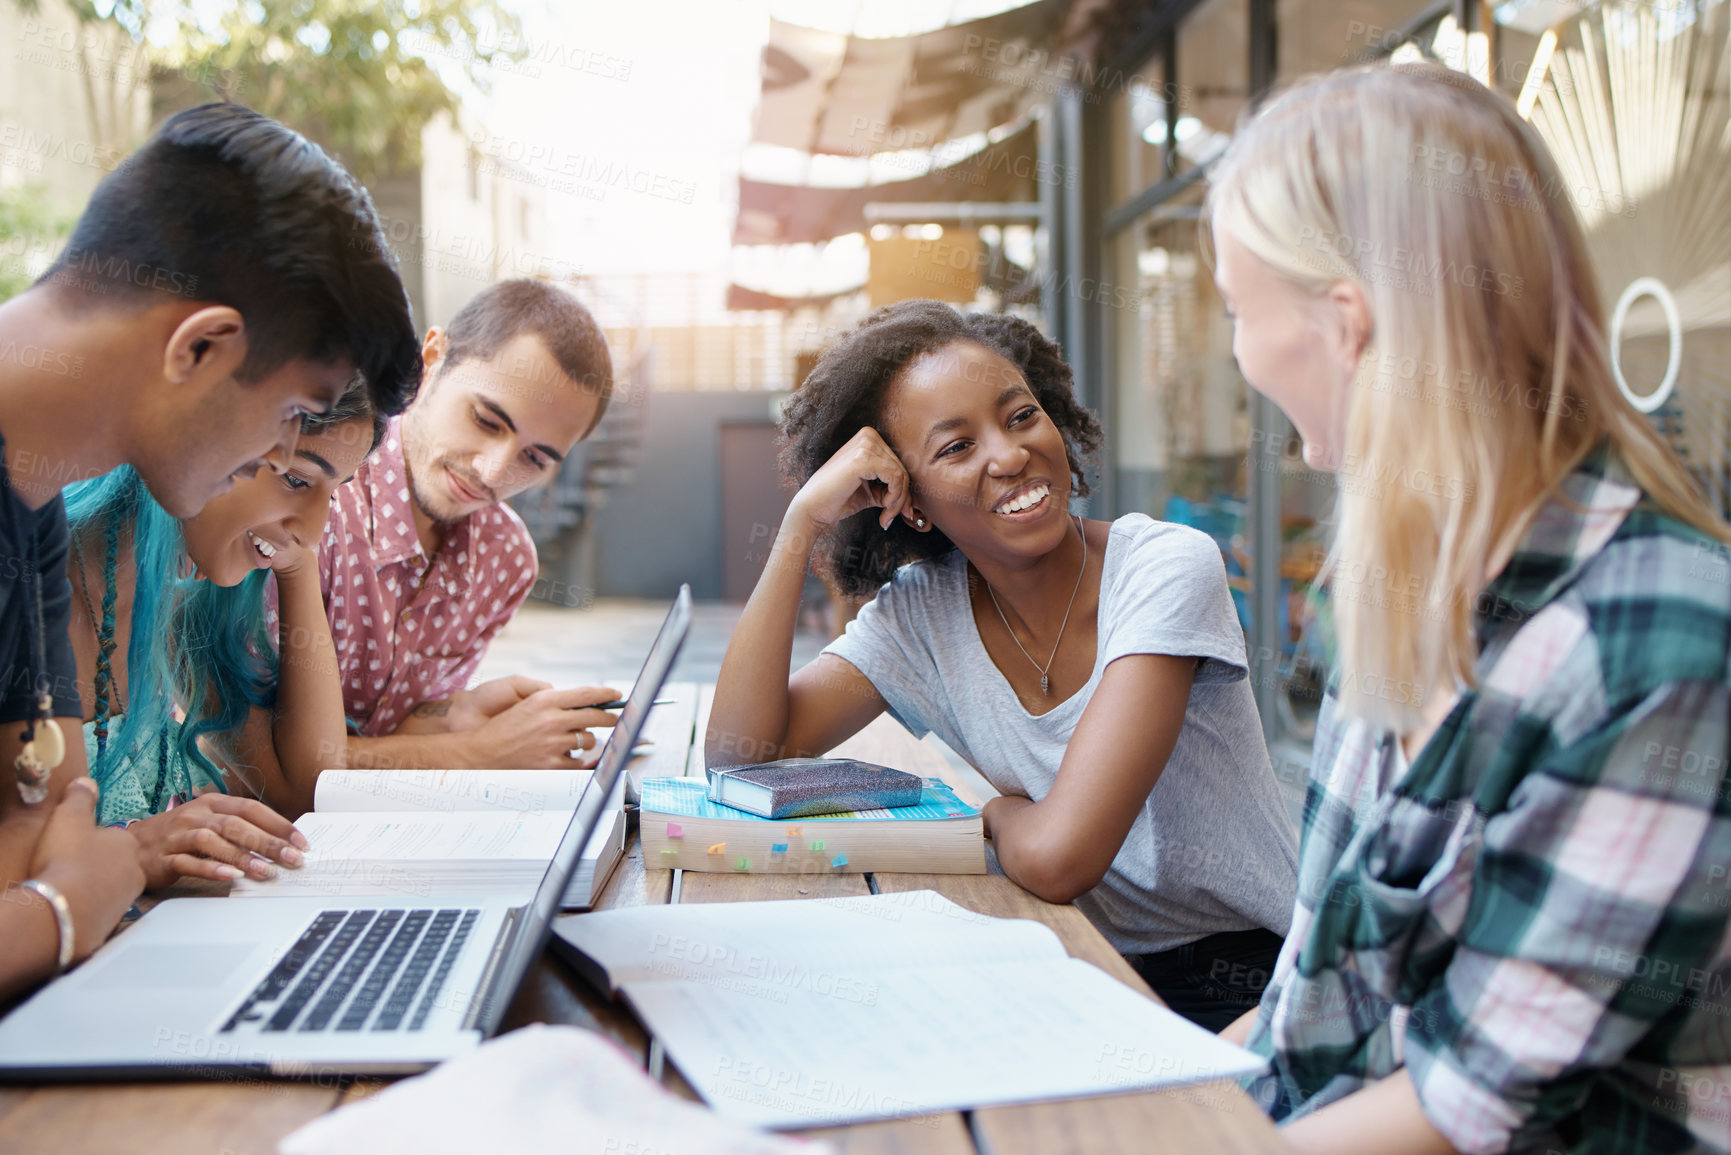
249 1115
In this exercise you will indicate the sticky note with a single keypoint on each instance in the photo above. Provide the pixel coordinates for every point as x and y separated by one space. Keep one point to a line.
718 848
838 860
674 830
742 864
818 845
793 832
778 848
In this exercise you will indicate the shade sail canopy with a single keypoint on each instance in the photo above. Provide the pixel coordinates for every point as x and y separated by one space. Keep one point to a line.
825 92
743 300
785 214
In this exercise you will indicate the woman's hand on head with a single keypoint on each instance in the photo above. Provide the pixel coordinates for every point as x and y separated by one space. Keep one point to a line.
216 836
295 560
863 474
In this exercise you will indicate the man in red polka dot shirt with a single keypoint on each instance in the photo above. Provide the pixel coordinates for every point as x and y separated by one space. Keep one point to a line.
422 562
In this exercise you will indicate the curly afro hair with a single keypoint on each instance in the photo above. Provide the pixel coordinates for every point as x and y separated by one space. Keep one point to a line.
846 391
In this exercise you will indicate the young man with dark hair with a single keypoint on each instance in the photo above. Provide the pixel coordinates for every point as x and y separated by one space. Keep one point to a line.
423 562
211 295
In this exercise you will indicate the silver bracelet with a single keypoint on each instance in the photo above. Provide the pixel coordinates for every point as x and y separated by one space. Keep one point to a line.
62 915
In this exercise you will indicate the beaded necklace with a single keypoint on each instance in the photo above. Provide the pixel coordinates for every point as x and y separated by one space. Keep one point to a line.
104 688
104 685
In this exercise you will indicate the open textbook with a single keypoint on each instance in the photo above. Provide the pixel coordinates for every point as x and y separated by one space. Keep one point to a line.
450 832
819 1012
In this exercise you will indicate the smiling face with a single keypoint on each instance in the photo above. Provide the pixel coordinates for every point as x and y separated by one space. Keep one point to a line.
484 431
212 438
988 466
1291 346
244 528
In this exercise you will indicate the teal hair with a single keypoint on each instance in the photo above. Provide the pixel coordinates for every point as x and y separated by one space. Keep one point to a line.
192 642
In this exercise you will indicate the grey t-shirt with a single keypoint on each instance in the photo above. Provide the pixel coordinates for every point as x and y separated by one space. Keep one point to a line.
1213 848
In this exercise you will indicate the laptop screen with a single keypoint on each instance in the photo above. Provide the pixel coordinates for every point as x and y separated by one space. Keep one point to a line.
530 937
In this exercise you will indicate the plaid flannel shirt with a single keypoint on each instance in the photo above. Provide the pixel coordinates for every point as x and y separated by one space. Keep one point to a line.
1532 917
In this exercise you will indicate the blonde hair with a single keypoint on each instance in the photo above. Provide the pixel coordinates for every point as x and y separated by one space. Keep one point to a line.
1487 378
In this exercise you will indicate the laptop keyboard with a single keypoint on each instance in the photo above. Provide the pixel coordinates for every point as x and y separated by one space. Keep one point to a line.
354 970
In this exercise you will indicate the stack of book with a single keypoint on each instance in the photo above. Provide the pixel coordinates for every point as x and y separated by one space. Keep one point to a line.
683 829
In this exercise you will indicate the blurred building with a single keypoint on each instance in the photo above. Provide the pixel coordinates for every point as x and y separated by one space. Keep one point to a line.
1188 441
74 100
471 216
1115 110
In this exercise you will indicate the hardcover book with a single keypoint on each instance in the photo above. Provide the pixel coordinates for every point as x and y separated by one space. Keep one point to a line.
800 787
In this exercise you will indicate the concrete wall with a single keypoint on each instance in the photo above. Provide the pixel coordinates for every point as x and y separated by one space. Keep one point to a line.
47 137
664 526
482 219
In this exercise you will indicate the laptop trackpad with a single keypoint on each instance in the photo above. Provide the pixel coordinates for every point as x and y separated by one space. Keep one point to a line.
170 965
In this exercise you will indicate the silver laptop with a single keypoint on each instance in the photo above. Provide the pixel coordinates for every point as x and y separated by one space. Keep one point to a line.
313 986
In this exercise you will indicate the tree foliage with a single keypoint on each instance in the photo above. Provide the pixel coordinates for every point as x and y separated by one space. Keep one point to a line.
30 233
361 77
358 76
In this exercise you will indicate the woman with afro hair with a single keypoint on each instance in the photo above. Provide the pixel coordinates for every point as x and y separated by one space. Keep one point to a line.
1094 672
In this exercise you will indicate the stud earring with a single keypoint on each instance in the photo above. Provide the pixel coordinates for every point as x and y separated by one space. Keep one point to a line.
920 521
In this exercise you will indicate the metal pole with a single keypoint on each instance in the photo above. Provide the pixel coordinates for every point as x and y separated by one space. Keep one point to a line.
1169 96
1078 113
1049 256
1268 433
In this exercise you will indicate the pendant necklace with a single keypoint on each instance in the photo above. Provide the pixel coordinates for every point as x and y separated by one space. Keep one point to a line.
1061 625
44 744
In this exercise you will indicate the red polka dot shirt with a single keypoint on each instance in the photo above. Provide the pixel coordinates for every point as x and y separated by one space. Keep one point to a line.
409 629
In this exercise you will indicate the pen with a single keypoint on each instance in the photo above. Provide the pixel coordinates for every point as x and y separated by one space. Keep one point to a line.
621 703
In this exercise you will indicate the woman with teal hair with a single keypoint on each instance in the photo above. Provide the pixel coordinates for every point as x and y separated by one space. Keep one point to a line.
199 724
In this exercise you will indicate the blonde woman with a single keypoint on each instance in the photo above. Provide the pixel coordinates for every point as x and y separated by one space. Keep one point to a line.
1511 924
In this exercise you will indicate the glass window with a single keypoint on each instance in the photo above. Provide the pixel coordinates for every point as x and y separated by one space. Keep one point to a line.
1181 410
1180 402
1136 115
1512 55
1315 36
1181 427
1320 35
1213 81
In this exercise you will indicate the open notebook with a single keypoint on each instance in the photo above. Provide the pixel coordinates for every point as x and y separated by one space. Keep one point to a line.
818 1012
409 832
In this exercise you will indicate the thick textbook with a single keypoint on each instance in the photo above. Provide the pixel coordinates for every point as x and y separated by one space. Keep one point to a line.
681 828
803 787
418 832
820 1012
